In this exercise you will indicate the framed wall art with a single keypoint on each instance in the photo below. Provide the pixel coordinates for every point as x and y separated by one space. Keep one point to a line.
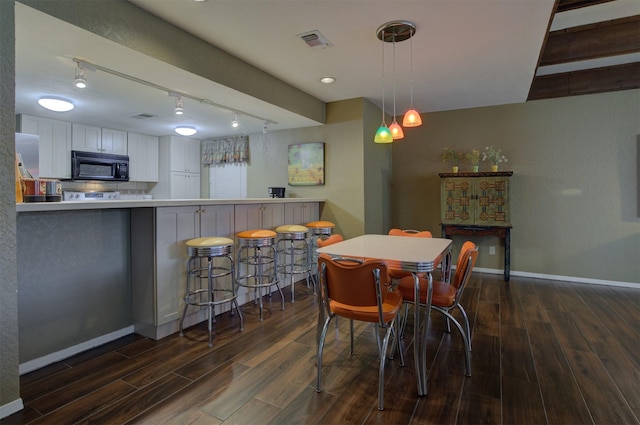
306 164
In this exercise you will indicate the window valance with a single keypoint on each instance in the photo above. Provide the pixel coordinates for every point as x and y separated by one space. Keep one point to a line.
225 150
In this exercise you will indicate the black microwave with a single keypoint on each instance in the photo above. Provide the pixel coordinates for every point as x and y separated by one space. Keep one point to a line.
99 166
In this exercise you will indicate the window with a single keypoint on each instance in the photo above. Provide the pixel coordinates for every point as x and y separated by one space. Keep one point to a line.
228 181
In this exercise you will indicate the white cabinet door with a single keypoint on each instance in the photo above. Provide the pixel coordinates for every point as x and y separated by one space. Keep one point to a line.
192 156
174 226
217 220
185 154
86 138
54 149
143 157
184 185
114 141
258 216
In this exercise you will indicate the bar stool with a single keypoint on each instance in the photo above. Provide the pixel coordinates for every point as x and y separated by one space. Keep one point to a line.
257 251
214 293
319 230
292 245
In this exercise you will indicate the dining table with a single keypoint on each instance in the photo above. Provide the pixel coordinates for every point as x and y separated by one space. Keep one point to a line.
420 257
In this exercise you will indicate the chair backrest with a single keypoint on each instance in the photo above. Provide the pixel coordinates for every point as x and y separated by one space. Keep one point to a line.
354 282
335 238
464 266
411 232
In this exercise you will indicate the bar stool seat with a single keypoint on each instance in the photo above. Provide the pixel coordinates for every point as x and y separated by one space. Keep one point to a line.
293 246
257 253
210 249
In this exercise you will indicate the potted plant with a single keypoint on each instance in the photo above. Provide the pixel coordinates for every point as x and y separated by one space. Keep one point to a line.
453 157
495 156
474 157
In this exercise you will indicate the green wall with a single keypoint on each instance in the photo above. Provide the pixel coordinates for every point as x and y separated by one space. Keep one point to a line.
574 192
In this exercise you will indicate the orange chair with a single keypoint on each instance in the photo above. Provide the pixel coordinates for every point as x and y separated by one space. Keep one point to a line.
394 272
446 296
357 290
335 238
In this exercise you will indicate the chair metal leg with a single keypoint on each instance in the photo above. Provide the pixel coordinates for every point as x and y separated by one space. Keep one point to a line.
321 338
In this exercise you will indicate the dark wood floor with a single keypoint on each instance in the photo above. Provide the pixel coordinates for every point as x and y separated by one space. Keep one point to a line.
543 353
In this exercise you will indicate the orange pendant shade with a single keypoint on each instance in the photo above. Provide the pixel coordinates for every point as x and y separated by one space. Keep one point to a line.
412 118
396 131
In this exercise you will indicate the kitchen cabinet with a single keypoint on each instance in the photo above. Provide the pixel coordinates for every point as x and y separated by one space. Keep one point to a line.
143 158
89 138
258 216
54 149
159 254
179 168
301 212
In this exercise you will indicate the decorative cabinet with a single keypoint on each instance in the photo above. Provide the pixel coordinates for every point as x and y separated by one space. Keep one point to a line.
159 254
179 168
143 157
479 199
54 148
477 204
95 139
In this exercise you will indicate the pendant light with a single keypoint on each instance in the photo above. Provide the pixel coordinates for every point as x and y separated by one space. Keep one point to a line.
383 135
394 128
412 116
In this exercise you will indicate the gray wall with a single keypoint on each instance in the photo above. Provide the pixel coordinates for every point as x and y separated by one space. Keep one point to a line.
9 381
574 192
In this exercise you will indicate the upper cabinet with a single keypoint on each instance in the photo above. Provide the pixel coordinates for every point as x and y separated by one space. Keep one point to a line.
88 138
185 154
475 199
54 150
143 157
179 174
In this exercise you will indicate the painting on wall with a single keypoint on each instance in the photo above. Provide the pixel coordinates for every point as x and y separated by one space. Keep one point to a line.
306 164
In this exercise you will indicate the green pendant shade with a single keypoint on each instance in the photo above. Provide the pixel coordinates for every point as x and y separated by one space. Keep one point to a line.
383 135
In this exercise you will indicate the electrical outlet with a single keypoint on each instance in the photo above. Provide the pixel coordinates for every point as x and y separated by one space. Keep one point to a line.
492 250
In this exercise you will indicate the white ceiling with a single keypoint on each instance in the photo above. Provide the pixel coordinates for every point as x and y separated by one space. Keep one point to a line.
466 53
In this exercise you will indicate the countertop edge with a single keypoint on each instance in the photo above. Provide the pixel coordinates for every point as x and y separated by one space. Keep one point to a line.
150 203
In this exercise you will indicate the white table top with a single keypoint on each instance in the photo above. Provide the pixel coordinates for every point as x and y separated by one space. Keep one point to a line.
413 254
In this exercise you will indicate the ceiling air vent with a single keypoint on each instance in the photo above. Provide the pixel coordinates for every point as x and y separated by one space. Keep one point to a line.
315 40
143 116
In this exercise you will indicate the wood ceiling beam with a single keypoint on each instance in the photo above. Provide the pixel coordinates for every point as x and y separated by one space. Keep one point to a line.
588 81
602 39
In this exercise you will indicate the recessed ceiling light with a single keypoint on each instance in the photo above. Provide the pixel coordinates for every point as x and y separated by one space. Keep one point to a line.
186 130
56 104
327 80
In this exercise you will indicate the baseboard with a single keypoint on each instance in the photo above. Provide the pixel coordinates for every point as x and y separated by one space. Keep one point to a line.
11 408
34 364
561 278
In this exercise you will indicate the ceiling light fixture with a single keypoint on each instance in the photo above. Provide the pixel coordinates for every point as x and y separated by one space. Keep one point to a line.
383 135
327 80
56 104
179 106
81 77
186 130
394 128
235 123
412 117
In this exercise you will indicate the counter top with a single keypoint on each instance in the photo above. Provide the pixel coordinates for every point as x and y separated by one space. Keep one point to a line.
149 203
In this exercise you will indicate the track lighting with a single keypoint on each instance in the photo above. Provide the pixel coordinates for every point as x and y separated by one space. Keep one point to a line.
265 127
235 123
179 106
81 77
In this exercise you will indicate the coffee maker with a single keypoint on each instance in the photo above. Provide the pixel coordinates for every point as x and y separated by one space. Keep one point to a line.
276 192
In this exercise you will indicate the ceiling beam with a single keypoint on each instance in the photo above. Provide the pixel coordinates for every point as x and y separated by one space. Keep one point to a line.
601 39
588 81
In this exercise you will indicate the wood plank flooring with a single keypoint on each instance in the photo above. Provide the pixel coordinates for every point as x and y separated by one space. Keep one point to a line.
544 352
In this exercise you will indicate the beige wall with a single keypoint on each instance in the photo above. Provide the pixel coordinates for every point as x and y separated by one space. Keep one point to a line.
9 381
575 185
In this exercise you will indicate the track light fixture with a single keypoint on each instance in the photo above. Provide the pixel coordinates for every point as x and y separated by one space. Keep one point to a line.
81 77
235 123
179 106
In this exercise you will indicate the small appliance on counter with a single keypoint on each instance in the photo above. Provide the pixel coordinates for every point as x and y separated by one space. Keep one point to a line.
276 192
91 196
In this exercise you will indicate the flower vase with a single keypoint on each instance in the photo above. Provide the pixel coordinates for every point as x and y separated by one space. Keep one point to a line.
475 168
494 168
454 168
